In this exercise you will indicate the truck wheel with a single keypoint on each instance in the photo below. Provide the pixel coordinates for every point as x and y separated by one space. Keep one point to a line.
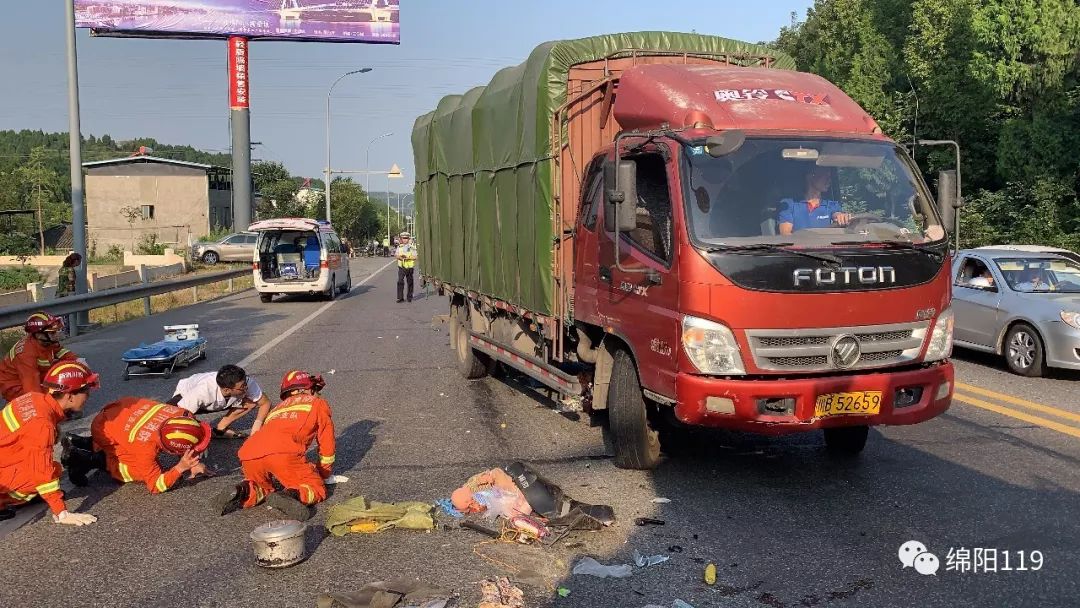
1024 352
636 443
266 297
471 364
846 440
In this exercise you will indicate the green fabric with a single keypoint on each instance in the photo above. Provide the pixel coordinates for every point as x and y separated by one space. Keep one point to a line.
408 515
65 282
484 203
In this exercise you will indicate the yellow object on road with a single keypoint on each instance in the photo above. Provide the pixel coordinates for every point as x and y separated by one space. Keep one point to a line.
710 574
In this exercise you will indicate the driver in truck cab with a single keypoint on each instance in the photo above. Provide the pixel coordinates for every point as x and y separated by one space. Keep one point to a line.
813 211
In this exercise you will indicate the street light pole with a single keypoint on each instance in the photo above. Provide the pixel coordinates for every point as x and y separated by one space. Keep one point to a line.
367 158
78 202
329 171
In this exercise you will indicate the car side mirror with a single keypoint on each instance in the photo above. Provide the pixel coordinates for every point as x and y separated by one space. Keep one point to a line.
620 196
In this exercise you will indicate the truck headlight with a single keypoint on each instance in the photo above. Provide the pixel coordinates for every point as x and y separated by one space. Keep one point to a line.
1071 319
711 347
941 339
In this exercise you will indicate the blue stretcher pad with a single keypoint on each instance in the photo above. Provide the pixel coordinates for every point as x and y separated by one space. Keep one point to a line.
162 350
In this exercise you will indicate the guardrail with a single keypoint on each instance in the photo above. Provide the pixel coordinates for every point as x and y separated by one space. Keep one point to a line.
15 316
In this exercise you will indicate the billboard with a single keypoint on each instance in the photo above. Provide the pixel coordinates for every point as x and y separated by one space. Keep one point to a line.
371 21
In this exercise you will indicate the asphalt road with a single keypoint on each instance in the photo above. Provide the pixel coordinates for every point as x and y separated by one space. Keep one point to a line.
786 525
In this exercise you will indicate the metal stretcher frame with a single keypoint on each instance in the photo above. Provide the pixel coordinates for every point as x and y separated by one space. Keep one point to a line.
165 366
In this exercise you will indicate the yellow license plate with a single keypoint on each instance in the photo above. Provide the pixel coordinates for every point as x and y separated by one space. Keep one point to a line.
862 403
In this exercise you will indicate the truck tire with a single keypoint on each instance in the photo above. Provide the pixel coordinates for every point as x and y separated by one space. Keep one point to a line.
473 365
846 441
635 442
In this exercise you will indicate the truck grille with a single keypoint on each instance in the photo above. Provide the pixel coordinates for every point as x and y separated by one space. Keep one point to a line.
811 350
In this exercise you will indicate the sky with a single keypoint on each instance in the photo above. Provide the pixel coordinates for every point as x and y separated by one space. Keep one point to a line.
176 91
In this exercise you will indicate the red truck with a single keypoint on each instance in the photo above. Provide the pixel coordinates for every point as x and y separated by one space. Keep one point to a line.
685 231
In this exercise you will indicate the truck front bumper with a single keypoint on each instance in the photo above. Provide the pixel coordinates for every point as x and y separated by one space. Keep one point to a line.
777 407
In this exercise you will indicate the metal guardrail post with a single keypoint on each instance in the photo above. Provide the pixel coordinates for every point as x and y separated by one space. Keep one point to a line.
194 294
230 285
144 276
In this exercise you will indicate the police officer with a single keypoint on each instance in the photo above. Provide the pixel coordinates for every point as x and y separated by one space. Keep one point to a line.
406 260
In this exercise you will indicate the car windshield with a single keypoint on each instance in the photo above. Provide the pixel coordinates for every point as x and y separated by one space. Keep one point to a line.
1042 275
808 192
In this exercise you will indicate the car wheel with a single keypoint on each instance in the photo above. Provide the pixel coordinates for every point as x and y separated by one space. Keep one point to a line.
1024 352
266 297
331 291
846 441
347 287
211 257
636 444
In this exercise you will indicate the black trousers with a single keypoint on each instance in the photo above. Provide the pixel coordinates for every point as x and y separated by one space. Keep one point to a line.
403 275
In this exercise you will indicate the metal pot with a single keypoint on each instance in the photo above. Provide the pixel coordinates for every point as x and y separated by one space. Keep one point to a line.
280 543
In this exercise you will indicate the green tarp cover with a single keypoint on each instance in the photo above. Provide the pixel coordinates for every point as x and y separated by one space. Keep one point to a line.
484 167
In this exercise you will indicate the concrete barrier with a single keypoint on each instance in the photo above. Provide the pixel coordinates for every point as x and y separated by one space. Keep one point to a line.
112 281
170 258
154 273
13 298
34 260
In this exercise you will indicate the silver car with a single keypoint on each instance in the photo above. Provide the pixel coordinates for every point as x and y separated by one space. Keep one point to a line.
1023 306
239 247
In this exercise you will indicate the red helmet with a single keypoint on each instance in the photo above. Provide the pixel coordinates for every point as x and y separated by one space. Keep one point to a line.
297 380
183 433
43 322
69 377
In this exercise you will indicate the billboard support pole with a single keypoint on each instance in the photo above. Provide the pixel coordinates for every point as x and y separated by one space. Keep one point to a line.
78 202
239 96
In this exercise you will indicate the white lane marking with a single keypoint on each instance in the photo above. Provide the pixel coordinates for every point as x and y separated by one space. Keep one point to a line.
248 360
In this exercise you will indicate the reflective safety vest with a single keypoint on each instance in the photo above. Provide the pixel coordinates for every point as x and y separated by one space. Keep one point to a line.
406 255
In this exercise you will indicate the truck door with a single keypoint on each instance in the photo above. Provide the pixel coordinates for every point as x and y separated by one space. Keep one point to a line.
586 277
640 301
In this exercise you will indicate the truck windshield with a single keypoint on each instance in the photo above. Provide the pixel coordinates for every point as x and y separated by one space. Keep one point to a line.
808 192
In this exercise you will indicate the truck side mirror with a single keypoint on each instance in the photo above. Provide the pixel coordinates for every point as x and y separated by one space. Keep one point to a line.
620 196
946 198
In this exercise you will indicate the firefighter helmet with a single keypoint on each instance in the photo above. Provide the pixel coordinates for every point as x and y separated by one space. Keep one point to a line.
183 433
69 377
43 322
299 380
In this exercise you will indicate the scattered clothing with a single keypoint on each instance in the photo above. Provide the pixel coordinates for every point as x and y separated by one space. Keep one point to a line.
465 499
359 515
395 594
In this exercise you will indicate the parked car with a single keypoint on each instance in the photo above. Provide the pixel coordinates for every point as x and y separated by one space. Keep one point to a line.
237 247
1072 255
299 255
1022 305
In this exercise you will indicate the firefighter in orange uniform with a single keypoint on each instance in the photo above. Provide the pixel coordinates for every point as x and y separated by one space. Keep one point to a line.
277 450
28 429
126 438
24 367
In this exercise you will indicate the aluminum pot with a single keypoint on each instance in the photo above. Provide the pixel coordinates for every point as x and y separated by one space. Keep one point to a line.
280 543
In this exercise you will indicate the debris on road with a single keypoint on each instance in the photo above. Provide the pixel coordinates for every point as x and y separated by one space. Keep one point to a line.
279 544
492 492
481 529
500 593
674 604
526 564
563 592
447 507
644 562
335 479
661 501
648 521
396 594
710 574
359 515
591 567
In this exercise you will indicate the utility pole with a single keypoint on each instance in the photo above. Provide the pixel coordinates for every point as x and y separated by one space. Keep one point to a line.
78 201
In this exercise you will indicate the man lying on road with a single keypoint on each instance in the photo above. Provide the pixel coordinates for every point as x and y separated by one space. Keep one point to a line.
229 388
126 438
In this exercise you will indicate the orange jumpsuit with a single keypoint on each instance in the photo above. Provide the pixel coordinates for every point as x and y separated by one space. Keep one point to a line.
127 431
24 367
278 449
28 429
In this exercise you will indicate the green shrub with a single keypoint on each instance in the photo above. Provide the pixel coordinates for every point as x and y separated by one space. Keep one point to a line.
149 246
13 279
215 235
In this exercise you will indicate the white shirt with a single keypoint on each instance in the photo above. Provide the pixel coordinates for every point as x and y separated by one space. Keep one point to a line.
200 393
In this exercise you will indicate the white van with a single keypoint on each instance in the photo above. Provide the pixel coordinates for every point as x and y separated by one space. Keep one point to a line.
299 255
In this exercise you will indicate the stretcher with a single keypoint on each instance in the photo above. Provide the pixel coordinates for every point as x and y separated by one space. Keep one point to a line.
181 347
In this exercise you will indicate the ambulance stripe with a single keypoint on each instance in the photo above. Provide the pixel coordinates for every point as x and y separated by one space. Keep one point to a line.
124 474
10 421
285 410
142 421
46 488
160 483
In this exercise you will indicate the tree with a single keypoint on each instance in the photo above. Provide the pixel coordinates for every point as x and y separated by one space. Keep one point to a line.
131 214
42 185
